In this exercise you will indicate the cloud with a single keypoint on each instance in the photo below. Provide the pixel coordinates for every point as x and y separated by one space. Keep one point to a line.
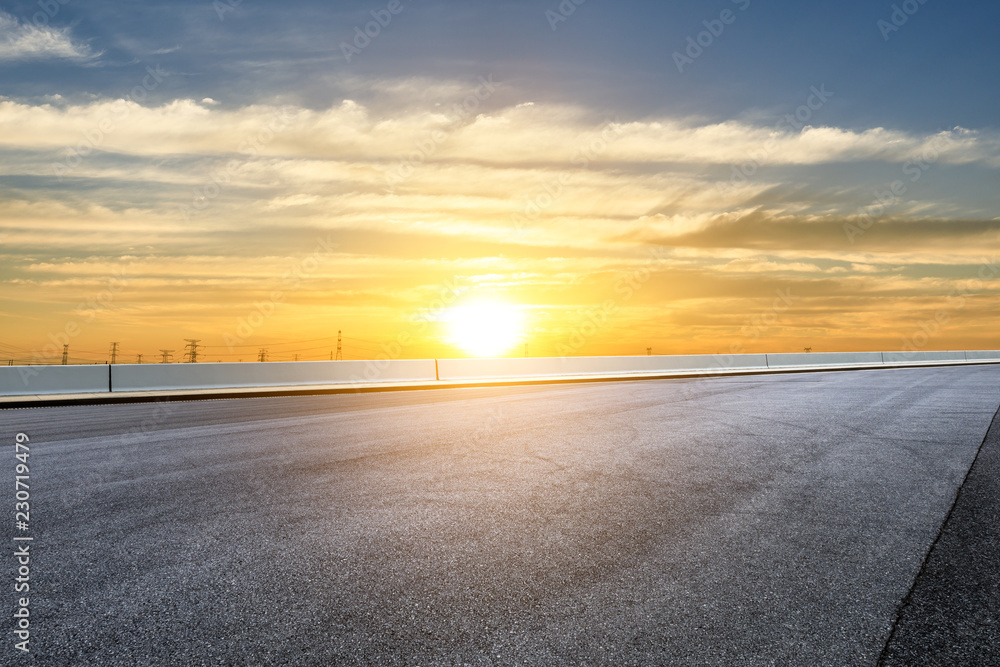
521 135
24 41
763 265
763 231
214 202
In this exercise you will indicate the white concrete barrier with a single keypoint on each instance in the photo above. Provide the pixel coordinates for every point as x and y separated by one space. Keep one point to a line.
149 377
975 355
477 369
823 359
921 356
30 380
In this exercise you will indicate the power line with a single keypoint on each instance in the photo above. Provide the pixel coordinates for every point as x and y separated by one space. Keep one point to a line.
286 349
287 342
306 349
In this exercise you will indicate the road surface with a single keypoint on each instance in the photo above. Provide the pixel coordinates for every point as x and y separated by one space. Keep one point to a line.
805 519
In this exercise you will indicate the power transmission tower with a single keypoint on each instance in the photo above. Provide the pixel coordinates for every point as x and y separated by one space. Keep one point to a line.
649 351
296 357
114 352
166 356
191 350
65 355
138 358
262 355
340 350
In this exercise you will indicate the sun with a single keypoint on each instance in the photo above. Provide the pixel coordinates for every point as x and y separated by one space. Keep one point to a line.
485 328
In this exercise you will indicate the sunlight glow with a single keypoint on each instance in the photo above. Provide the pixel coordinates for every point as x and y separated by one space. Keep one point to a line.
485 328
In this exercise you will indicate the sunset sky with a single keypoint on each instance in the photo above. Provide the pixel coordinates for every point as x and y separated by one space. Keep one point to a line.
691 177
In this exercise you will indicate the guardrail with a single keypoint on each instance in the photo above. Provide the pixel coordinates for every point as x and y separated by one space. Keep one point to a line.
27 380
48 380
481 369
151 377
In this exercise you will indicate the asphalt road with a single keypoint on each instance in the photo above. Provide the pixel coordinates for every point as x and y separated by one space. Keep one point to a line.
744 520
952 615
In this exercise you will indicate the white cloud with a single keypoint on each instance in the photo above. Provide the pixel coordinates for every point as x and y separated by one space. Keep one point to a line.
290 201
24 41
508 176
754 265
517 136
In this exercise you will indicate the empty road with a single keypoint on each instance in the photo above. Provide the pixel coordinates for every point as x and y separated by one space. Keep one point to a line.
753 520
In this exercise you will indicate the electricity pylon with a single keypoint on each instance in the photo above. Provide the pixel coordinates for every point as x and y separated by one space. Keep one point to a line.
191 350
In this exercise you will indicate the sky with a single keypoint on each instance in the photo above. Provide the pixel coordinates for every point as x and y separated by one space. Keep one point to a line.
546 178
